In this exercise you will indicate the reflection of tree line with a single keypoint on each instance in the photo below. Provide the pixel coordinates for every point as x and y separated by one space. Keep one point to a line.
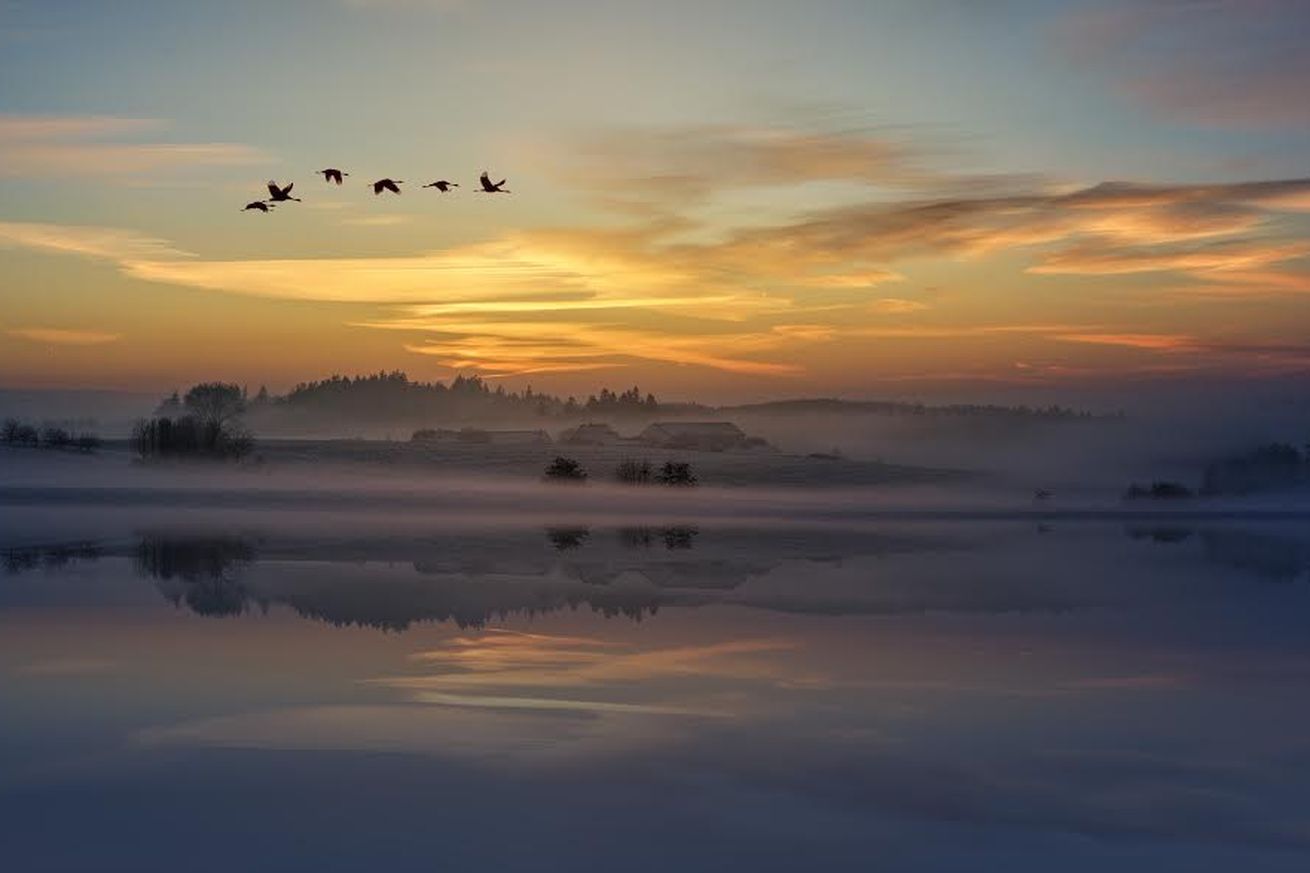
204 573
674 538
22 560
1272 556
471 581
207 576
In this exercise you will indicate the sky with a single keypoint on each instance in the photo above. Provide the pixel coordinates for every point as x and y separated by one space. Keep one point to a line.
718 200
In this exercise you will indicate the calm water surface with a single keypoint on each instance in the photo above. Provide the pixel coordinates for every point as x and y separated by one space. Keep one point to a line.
280 693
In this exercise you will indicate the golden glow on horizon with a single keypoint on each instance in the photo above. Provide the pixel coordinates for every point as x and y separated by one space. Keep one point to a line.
646 274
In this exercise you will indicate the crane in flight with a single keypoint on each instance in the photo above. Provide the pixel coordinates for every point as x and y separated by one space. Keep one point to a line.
489 187
392 185
279 195
259 205
442 185
331 174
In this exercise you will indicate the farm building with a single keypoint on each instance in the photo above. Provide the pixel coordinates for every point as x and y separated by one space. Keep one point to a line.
519 438
477 436
591 435
703 436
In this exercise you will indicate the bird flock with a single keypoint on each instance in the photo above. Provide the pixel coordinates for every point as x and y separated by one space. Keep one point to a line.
282 193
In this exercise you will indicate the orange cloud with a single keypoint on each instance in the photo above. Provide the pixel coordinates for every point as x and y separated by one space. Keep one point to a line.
1160 342
62 336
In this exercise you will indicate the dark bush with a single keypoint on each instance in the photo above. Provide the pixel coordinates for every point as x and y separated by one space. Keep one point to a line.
565 470
566 538
1158 491
87 442
633 472
9 430
1270 467
190 437
56 438
676 473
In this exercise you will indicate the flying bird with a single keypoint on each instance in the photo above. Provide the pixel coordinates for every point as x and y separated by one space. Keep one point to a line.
332 175
257 204
277 195
488 187
442 185
391 185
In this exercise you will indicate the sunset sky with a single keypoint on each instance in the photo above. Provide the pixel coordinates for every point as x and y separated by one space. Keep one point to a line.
721 198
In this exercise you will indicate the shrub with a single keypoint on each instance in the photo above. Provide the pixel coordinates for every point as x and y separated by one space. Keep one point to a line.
9 430
566 538
676 473
565 470
1158 491
191 437
87 442
56 438
1274 466
633 472
26 435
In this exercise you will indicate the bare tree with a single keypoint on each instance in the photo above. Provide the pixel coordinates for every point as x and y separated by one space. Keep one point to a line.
215 403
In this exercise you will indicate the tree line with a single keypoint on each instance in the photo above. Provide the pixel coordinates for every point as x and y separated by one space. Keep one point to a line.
203 423
14 432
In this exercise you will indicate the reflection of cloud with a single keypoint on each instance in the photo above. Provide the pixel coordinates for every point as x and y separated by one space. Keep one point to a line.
537 661
63 336
55 667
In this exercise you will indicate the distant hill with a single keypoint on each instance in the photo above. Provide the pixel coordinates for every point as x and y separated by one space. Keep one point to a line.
830 405
107 411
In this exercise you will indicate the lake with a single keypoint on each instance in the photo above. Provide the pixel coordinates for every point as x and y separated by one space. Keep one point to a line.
238 690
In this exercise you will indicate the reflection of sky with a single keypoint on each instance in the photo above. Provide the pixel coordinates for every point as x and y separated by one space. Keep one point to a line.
1145 713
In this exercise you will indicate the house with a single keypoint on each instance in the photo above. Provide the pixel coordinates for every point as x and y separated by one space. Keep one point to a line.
476 436
519 438
591 435
701 436
435 435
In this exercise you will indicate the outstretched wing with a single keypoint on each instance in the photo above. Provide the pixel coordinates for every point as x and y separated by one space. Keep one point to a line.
391 186
273 189
287 190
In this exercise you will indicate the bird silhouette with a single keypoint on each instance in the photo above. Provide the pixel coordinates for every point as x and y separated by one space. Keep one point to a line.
391 185
257 204
442 185
332 175
278 195
488 187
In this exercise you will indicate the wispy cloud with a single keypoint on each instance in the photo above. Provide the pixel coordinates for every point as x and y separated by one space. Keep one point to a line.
81 146
63 336
754 296
1213 62
109 243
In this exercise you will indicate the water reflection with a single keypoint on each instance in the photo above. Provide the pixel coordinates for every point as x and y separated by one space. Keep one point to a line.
946 696
632 572
1277 557
201 572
